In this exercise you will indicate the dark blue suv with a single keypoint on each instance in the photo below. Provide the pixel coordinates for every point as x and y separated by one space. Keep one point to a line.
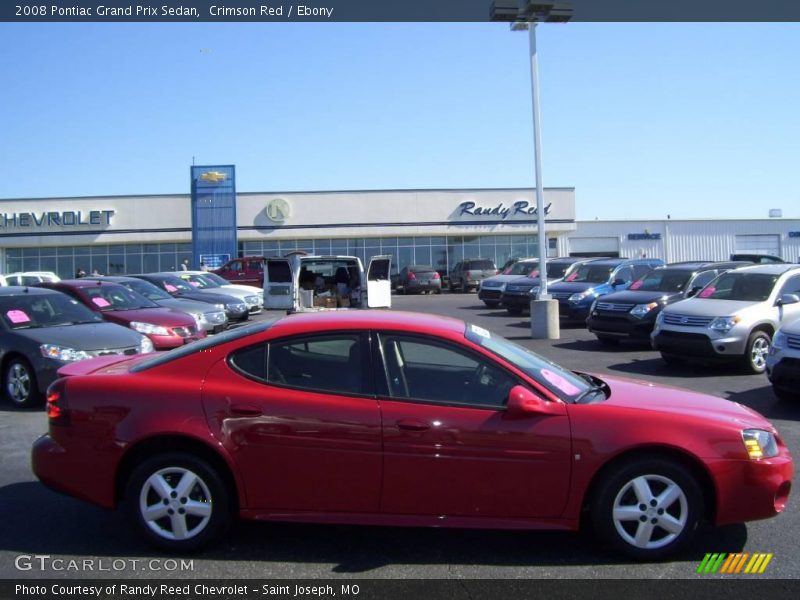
594 279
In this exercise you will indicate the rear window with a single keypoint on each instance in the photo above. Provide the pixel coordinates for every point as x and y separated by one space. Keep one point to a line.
482 265
203 345
279 271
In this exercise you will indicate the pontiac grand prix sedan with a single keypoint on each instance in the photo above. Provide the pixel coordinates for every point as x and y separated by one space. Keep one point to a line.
390 418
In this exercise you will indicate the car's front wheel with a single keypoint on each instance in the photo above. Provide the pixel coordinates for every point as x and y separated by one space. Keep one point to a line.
19 384
178 502
756 351
648 508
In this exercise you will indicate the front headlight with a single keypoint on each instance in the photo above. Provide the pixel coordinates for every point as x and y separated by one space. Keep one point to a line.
534 291
145 345
149 328
640 310
723 324
219 306
63 353
251 300
199 319
759 443
503 287
779 341
576 298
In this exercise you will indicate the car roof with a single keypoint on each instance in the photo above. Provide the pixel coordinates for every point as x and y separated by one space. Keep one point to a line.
83 282
20 290
369 319
112 278
696 265
773 269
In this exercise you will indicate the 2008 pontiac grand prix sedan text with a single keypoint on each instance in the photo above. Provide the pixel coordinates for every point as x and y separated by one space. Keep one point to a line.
397 418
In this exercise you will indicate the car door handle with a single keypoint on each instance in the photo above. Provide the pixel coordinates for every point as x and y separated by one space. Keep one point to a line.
245 410
413 425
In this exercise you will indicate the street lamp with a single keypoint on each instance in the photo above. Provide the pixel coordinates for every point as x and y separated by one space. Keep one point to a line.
524 15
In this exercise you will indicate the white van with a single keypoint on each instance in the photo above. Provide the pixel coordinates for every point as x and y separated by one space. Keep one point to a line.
300 283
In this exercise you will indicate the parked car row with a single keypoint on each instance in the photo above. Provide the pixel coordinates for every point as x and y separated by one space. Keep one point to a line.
45 322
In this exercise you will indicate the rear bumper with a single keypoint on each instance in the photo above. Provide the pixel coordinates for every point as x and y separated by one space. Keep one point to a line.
423 286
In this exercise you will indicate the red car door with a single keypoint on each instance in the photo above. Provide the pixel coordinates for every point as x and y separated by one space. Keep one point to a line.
449 447
302 426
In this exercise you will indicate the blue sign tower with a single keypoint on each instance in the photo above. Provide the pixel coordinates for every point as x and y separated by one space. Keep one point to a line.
213 215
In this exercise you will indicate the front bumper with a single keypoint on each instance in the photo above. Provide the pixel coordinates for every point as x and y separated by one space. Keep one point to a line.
784 372
521 300
748 490
620 325
696 342
490 294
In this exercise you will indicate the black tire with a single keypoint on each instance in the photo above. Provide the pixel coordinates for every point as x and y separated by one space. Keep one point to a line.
207 493
672 360
20 387
623 490
785 395
755 352
491 304
438 291
514 310
607 340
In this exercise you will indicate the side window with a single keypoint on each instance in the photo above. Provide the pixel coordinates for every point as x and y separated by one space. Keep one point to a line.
254 265
791 286
235 265
703 279
625 273
433 371
322 363
639 270
251 361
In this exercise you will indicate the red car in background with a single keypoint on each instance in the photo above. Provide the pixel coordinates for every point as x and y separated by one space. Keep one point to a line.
165 327
248 270
391 418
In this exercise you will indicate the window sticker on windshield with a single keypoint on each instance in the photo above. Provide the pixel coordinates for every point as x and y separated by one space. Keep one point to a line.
707 292
194 283
533 274
571 276
18 316
170 288
637 284
561 383
484 333
101 302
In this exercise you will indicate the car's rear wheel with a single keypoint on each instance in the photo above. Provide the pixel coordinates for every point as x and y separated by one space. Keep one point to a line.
178 502
672 360
647 509
19 384
756 351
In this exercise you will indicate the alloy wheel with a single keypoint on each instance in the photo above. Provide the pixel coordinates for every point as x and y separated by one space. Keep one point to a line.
175 503
758 353
19 384
650 511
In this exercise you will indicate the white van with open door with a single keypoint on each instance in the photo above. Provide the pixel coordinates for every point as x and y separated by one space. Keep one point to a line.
299 282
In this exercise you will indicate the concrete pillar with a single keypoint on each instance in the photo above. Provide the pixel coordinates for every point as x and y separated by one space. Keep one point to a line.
544 320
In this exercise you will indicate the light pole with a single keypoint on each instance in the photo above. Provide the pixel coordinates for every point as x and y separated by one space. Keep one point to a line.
524 15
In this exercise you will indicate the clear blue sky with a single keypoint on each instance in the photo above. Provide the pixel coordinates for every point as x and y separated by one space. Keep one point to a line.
694 120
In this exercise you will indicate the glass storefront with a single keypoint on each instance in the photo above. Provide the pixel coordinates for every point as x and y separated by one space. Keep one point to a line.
442 252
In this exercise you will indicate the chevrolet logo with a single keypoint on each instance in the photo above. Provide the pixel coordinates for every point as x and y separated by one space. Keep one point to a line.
212 176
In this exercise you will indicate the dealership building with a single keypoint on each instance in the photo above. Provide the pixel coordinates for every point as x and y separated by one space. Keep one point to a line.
132 234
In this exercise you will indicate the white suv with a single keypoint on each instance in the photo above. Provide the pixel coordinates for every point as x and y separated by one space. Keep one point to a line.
733 317
783 362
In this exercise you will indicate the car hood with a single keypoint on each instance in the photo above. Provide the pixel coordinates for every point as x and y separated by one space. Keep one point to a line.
250 289
230 291
156 316
500 279
88 336
186 305
209 297
574 287
640 297
642 395
702 307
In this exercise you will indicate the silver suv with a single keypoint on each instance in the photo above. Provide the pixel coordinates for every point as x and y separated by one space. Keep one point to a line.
783 362
733 317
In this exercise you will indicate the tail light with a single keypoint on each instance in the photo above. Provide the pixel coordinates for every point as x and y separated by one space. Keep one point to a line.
57 402
411 275
436 275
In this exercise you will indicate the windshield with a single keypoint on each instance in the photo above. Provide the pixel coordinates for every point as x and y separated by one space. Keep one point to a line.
52 310
216 279
116 297
557 270
662 280
479 265
521 268
591 274
565 384
198 282
147 289
173 284
749 287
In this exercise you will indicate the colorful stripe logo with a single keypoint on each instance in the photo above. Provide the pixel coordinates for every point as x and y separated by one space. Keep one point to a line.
735 564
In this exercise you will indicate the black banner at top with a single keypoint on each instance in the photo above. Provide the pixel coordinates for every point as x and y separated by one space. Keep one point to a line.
382 10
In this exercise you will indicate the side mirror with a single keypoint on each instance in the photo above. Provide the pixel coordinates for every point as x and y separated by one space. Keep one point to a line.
522 401
788 299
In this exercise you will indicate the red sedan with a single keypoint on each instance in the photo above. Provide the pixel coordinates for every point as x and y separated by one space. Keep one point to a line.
165 327
397 418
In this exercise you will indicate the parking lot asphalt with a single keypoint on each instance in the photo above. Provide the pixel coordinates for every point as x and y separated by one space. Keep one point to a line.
39 522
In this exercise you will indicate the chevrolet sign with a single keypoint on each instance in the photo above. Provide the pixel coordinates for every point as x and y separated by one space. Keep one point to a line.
212 176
